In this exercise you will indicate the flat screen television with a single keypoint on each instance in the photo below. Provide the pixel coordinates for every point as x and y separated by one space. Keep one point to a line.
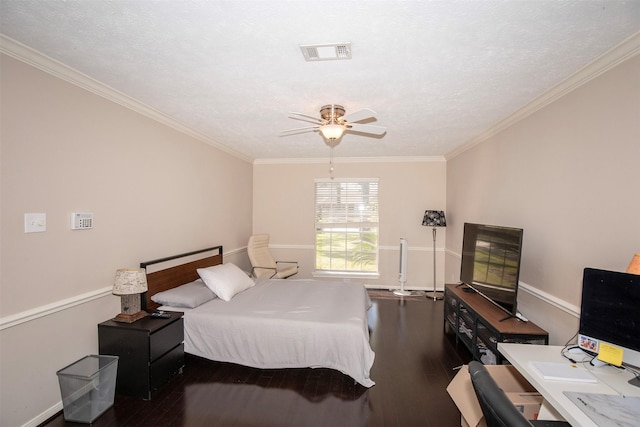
610 313
491 263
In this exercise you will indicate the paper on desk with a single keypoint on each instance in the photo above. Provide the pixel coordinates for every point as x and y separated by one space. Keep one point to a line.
610 354
607 410
563 372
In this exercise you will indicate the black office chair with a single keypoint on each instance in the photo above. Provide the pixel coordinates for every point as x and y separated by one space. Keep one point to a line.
496 407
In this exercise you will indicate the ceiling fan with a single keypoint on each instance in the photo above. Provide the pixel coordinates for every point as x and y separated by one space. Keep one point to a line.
333 123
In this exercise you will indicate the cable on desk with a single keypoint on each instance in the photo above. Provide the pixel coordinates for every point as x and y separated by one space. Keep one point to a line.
568 346
591 357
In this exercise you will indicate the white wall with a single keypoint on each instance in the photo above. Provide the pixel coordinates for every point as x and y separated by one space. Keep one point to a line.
567 175
154 192
283 206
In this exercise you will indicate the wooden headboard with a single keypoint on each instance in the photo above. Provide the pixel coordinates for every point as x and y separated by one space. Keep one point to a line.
177 275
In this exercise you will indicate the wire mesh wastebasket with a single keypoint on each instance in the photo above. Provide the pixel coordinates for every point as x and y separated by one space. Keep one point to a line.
88 387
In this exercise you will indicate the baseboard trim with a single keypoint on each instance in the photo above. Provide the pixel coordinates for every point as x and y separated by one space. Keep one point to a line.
44 416
381 248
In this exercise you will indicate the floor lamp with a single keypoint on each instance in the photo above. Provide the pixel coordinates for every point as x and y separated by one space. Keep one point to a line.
434 219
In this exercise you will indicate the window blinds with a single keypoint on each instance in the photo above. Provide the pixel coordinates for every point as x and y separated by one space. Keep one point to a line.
346 224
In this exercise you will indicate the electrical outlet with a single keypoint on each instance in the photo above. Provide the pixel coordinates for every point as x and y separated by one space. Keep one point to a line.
81 220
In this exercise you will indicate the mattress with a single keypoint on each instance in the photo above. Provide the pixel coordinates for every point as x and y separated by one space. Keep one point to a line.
286 324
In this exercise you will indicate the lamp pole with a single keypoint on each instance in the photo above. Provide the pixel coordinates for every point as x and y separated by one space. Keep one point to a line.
434 294
434 219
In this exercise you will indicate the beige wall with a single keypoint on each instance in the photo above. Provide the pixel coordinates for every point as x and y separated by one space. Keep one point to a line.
153 191
563 174
568 175
283 206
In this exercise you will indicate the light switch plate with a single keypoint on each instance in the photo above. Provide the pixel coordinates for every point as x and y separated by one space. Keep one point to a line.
35 222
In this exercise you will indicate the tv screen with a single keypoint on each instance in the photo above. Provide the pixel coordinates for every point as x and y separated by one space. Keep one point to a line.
610 313
491 263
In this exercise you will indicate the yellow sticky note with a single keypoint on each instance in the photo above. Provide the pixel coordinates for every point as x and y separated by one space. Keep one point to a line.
610 354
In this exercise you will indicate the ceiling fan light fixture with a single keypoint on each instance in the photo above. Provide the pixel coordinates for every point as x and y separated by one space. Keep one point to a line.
333 123
332 131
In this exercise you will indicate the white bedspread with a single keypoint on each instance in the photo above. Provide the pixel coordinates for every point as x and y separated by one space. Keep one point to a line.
286 324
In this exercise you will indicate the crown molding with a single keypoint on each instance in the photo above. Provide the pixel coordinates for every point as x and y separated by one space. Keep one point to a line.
57 69
627 49
390 159
622 52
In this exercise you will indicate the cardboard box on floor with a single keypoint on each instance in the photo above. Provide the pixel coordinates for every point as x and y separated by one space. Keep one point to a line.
517 388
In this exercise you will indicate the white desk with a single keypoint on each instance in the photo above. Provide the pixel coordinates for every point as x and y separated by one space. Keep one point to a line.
610 380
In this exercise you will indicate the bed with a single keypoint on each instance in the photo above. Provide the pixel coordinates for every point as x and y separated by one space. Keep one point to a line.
269 323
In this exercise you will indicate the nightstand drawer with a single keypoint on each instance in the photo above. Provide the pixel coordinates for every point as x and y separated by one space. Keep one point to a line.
165 339
150 350
167 366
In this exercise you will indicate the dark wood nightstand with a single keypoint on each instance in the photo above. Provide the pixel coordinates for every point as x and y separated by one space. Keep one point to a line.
151 352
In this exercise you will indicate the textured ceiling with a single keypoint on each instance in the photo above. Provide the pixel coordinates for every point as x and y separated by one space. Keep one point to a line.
438 73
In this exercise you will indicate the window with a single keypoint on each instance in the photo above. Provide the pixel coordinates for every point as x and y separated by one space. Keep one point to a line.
347 225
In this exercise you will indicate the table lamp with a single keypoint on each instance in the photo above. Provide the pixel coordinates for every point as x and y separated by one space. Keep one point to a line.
129 284
434 219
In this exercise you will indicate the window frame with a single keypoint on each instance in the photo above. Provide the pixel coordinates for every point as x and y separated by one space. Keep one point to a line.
349 215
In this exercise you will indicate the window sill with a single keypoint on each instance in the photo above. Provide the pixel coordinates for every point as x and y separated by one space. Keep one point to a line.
346 275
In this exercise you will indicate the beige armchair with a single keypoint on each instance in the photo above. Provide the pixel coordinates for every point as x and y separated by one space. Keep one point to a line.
263 264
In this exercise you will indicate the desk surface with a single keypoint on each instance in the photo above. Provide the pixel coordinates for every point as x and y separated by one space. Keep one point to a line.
610 380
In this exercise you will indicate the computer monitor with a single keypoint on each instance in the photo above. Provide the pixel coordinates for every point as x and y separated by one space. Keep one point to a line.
610 314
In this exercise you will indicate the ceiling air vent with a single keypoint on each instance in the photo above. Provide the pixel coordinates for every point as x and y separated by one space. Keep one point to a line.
326 52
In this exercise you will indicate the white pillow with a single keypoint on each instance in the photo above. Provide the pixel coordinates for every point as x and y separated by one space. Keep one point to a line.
189 295
225 280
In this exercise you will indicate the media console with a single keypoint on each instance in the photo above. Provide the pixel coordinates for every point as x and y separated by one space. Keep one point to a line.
480 325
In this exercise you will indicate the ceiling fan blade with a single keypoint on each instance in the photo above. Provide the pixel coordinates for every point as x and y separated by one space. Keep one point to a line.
305 129
307 118
315 122
375 130
359 115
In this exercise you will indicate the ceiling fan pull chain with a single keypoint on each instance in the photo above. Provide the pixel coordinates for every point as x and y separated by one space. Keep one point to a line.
331 162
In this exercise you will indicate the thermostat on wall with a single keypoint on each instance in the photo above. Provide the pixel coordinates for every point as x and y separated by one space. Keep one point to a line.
81 220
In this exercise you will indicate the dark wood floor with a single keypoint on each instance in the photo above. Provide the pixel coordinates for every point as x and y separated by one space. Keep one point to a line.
414 363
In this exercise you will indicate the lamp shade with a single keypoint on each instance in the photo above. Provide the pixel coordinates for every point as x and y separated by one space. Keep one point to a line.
332 131
130 281
634 265
434 219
